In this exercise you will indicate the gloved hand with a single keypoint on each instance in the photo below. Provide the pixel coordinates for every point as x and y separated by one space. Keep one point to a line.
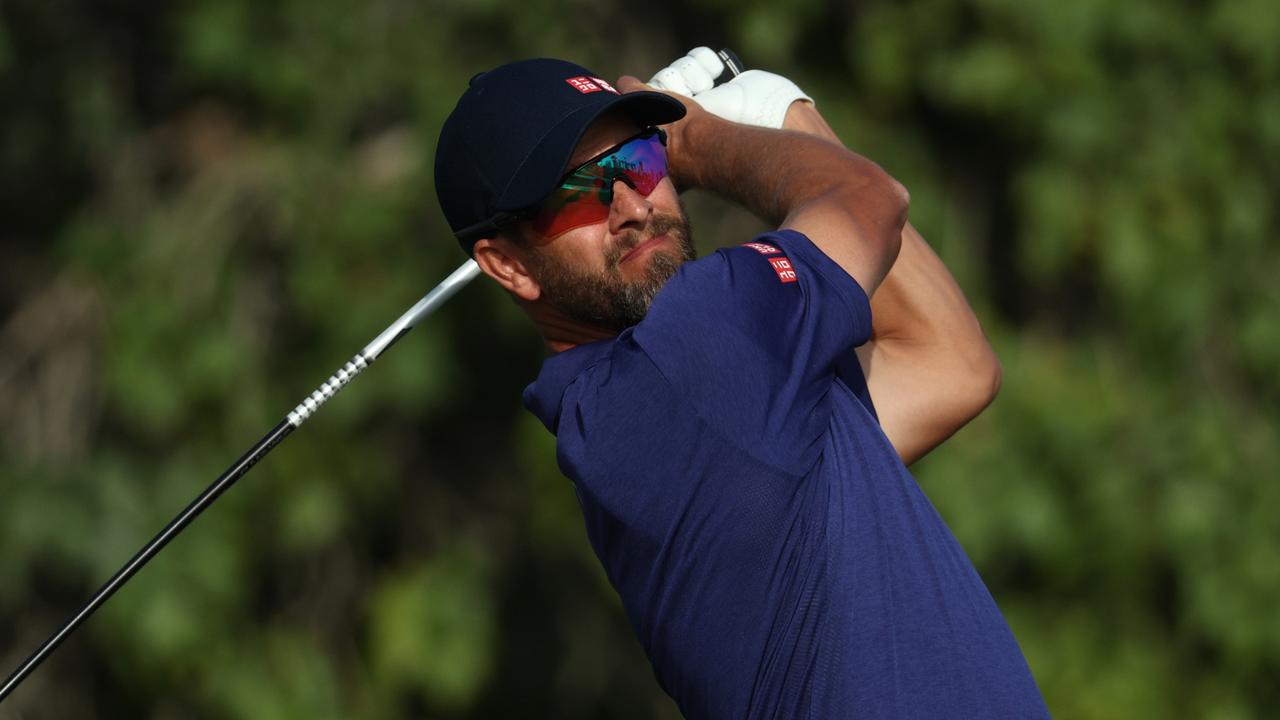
755 97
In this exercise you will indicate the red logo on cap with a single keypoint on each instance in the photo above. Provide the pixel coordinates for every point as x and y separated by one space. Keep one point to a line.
782 266
585 84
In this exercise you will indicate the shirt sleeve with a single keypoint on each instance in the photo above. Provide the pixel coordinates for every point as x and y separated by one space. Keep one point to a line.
754 335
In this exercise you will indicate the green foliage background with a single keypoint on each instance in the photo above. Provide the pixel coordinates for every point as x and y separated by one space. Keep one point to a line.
209 205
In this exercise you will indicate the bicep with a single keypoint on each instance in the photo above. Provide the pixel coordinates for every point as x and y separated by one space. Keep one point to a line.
913 418
922 398
929 368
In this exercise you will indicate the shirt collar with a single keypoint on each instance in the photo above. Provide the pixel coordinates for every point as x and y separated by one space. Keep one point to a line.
544 395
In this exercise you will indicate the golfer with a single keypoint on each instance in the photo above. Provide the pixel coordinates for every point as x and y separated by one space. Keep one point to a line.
737 427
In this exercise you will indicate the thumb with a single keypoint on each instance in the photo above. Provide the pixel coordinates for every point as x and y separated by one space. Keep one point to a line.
629 84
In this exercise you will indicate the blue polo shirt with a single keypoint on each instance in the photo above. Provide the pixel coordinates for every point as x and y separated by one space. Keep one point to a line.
773 554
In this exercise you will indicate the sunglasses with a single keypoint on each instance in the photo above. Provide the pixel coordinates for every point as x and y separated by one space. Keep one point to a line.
586 192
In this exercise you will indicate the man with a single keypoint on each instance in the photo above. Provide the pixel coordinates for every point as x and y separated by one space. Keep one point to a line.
716 416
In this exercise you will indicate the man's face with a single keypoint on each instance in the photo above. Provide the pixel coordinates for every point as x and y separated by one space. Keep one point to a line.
607 274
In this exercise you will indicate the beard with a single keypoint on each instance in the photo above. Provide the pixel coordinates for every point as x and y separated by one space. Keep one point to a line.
607 299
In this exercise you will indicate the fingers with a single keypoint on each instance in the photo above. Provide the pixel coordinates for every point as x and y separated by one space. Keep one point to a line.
691 74
695 73
709 60
670 80
629 84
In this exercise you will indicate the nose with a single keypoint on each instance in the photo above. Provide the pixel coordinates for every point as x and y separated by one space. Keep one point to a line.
629 207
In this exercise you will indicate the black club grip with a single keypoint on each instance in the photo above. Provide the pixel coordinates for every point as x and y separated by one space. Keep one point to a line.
731 63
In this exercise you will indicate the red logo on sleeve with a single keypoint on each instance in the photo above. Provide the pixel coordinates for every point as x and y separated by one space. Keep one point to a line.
585 84
762 248
782 266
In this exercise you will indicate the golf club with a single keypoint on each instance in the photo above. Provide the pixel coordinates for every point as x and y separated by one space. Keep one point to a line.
432 300
424 307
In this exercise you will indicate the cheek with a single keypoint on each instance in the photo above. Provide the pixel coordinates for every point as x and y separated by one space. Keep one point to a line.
579 249
665 198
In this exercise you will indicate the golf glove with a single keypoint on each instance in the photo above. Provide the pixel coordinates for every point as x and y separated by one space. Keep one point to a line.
755 97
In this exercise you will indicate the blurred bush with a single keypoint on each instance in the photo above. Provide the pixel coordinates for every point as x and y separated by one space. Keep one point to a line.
211 204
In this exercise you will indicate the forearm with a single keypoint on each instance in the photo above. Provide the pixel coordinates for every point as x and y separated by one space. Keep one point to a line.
845 204
774 173
918 300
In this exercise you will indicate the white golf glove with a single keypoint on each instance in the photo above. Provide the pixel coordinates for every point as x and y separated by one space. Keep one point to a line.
755 97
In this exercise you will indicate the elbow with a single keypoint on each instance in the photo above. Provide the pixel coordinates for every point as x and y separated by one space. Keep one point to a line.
983 378
895 201
879 203
973 378
899 202
993 377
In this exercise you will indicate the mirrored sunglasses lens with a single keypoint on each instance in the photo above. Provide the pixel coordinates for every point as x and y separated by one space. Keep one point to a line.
586 194
571 207
643 162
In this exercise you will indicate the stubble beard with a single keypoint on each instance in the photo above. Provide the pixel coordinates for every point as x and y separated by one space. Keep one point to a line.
607 299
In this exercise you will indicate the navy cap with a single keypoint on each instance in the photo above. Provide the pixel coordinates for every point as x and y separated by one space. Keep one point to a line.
505 146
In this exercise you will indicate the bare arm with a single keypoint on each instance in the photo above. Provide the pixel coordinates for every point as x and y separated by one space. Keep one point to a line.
846 205
929 367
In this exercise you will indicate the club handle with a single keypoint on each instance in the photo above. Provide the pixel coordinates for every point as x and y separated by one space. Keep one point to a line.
731 63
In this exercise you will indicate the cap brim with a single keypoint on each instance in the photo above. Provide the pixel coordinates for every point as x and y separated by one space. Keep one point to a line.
542 170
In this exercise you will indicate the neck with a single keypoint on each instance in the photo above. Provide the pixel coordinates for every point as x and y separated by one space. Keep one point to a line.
561 333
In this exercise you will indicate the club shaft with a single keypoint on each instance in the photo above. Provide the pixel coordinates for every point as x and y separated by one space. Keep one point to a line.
432 300
175 526
424 307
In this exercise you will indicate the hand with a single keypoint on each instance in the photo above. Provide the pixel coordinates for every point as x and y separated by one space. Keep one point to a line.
803 117
679 163
755 97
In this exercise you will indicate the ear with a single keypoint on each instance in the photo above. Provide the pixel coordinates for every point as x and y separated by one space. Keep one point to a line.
501 260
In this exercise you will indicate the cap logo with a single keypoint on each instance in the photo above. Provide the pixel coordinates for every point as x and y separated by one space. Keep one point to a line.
585 84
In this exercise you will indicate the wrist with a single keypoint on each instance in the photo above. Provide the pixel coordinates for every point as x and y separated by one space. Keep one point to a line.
688 142
803 117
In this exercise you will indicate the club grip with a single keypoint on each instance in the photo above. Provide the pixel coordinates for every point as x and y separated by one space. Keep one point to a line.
731 63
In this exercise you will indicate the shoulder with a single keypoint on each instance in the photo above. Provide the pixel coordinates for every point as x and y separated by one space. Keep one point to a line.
776 279
620 408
